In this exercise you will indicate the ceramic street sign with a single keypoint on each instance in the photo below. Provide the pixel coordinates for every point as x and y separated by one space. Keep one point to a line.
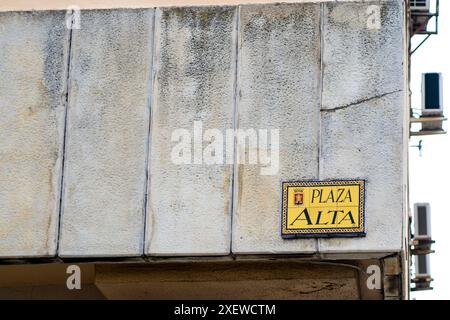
323 208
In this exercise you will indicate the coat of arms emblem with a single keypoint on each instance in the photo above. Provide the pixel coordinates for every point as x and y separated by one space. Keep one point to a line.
298 197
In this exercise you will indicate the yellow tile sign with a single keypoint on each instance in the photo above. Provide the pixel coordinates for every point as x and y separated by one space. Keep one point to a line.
323 208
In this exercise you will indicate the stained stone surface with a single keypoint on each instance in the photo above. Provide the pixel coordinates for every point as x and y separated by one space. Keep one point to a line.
33 60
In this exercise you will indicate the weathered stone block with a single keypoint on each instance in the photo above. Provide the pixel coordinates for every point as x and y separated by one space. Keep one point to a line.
107 134
279 73
362 124
189 204
362 51
33 62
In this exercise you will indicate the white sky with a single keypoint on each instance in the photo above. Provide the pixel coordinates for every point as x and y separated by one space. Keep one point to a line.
430 173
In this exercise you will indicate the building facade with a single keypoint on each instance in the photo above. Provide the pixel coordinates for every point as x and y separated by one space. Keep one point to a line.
149 146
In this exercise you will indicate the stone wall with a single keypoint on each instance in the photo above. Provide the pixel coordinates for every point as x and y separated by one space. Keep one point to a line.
87 117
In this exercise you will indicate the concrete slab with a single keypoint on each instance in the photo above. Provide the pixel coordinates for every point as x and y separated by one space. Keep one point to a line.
376 155
362 51
229 280
107 134
362 128
189 204
15 5
33 62
279 73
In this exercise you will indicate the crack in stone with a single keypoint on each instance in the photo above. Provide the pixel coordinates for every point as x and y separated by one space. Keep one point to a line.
362 101
328 286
